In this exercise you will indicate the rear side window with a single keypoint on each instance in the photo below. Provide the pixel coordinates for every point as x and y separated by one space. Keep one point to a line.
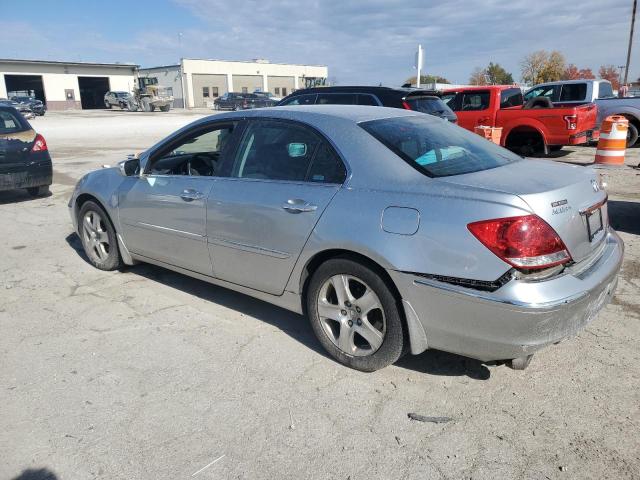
11 122
366 99
336 99
605 90
308 99
511 97
552 92
573 92
431 105
472 101
276 150
437 148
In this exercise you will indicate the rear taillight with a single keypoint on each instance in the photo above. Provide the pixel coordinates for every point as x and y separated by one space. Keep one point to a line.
527 242
39 144
405 105
571 121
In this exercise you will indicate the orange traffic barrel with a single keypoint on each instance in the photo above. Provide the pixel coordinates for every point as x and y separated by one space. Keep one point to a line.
613 141
493 134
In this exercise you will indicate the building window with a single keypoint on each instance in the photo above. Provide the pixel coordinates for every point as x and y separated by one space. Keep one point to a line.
214 91
284 91
245 90
276 90
205 92
169 91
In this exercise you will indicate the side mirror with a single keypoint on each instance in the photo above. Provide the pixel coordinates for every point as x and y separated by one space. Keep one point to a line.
130 167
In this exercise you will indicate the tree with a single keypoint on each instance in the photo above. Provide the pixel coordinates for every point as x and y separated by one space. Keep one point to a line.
542 66
573 73
427 79
609 72
478 76
496 75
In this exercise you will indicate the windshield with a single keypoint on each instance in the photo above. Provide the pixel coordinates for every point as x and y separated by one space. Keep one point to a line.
436 148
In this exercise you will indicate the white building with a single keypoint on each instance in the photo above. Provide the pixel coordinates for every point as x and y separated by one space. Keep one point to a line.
65 85
201 81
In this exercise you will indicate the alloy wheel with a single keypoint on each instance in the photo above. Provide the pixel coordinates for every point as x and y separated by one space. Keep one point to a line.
96 238
351 315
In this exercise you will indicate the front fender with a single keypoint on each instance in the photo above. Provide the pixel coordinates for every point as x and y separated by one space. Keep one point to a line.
103 185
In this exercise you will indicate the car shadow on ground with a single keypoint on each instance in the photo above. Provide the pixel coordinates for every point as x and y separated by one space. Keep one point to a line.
36 474
18 196
624 216
432 362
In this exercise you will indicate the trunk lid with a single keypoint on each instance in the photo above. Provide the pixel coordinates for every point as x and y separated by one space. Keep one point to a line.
567 197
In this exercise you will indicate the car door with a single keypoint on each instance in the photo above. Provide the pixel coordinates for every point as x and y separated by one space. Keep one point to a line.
262 211
474 109
163 211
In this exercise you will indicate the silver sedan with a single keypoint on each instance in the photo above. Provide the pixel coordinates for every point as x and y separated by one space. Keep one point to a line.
393 231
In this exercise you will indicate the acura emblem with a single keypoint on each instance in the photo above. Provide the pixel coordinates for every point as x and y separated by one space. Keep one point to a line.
596 187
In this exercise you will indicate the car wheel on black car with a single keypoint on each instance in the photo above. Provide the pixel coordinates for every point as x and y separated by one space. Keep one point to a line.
98 237
355 315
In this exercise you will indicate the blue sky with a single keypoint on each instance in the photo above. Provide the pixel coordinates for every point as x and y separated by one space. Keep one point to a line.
361 42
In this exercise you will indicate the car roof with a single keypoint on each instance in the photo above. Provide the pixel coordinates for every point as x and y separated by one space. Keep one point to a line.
359 89
481 87
568 82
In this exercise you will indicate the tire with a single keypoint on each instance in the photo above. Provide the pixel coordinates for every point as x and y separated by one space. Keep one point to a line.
343 332
41 191
107 104
146 105
165 108
101 247
632 135
554 148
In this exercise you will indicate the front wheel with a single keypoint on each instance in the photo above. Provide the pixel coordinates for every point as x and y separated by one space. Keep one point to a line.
355 315
98 237
107 104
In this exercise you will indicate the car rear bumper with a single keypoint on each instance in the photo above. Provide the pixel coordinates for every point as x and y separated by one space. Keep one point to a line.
519 318
36 175
584 137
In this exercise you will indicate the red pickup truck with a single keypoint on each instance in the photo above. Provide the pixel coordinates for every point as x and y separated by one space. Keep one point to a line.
535 128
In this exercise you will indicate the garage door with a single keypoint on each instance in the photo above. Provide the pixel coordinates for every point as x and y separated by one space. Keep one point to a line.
281 86
207 87
92 90
25 86
247 83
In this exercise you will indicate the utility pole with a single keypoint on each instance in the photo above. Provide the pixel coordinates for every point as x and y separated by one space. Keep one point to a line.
633 21
180 68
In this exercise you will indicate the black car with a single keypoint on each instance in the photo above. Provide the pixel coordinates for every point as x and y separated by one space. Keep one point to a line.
24 157
36 106
242 101
408 98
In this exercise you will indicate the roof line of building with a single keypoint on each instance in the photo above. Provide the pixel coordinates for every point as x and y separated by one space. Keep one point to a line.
57 62
235 61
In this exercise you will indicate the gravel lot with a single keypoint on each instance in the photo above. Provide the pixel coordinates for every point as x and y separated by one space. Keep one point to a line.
147 374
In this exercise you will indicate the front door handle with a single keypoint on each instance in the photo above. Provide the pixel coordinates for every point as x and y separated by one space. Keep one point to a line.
189 195
297 205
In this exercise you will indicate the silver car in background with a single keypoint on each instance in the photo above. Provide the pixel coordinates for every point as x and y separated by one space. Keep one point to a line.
391 230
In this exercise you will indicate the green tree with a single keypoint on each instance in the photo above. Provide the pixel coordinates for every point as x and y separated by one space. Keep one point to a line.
496 75
427 79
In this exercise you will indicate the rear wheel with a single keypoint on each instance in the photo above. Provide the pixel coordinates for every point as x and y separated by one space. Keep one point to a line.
527 143
355 315
98 237
39 191
165 108
632 135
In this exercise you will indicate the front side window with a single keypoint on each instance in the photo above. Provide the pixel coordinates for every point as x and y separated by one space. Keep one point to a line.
437 148
276 150
605 90
199 154
573 92
511 97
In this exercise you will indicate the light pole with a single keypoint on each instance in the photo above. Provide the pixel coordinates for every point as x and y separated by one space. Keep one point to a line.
633 21
184 97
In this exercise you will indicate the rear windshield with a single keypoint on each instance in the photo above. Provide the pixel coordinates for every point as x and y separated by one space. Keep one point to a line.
437 148
11 122
573 92
431 105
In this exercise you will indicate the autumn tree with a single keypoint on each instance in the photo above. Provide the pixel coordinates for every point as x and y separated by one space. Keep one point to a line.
609 72
542 66
573 73
478 77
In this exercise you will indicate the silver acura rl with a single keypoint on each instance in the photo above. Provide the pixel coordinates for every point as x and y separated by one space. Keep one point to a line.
393 231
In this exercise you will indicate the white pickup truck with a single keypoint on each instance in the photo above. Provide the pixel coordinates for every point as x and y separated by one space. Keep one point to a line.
600 92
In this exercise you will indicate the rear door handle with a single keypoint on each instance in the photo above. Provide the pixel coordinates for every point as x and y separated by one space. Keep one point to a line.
297 205
189 195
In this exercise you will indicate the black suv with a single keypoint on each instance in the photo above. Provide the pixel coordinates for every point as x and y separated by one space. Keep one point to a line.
408 98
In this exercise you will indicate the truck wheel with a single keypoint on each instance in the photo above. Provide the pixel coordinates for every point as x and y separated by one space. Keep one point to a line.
165 108
146 105
132 107
632 135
